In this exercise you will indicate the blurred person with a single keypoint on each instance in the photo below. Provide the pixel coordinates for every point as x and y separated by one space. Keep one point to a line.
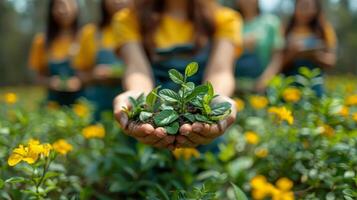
99 67
162 34
51 53
310 42
262 41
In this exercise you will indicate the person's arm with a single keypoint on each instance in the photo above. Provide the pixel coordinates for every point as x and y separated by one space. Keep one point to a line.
137 80
274 68
220 67
138 74
326 59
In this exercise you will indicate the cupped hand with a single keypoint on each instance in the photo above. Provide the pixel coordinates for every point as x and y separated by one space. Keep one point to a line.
145 133
102 72
202 133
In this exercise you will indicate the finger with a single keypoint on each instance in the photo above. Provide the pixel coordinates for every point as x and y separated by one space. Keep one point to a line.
185 129
197 127
160 132
214 131
150 139
140 130
122 118
183 141
166 142
199 139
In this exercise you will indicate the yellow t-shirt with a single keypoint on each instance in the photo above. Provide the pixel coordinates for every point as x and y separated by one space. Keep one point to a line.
330 35
40 55
173 31
90 41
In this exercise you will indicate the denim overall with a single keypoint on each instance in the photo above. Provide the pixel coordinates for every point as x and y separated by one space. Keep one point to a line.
309 43
64 70
248 66
178 58
102 95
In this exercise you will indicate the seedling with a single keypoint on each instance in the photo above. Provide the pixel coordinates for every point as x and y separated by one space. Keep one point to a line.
171 109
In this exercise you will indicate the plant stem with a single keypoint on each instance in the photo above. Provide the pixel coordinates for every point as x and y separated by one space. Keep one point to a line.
45 168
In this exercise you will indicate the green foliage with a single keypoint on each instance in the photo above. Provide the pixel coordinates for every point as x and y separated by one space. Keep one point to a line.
317 152
170 109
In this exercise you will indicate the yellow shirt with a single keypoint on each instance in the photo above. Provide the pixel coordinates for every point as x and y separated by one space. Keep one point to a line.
330 35
40 55
173 32
90 41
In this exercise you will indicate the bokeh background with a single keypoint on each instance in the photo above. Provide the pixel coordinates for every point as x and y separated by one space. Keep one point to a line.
21 19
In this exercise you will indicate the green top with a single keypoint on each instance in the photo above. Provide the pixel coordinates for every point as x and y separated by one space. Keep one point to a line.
266 29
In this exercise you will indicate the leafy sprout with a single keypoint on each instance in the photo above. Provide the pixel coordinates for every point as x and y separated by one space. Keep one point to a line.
170 109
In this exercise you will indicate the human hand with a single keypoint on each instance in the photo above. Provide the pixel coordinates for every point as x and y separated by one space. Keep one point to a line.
145 133
102 72
73 84
202 133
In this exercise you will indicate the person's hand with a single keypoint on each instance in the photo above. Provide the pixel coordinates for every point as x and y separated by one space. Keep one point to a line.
144 133
201 133
54 83
260 86
73 84
102 72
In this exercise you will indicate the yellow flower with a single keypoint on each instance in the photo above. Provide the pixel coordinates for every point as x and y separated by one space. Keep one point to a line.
344 111
283 195
292 95
10 98
351 100
354 116
81 110
239 104
282 113
186 153
261 187
327 130
258 102
29 153
17 155
62 146
261 153
94 131
251 137
284 184
47 149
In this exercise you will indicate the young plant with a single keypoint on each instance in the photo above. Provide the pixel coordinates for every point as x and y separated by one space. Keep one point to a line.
170 109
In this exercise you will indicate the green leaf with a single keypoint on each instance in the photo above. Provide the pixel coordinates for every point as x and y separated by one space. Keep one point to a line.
207 108
133 102
165 117
238 193
210 91
190 117
220 108
51 175
202 118
144 116
15 180
2 183
173 128
199 90
176 76
191 69
169 95
152 97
